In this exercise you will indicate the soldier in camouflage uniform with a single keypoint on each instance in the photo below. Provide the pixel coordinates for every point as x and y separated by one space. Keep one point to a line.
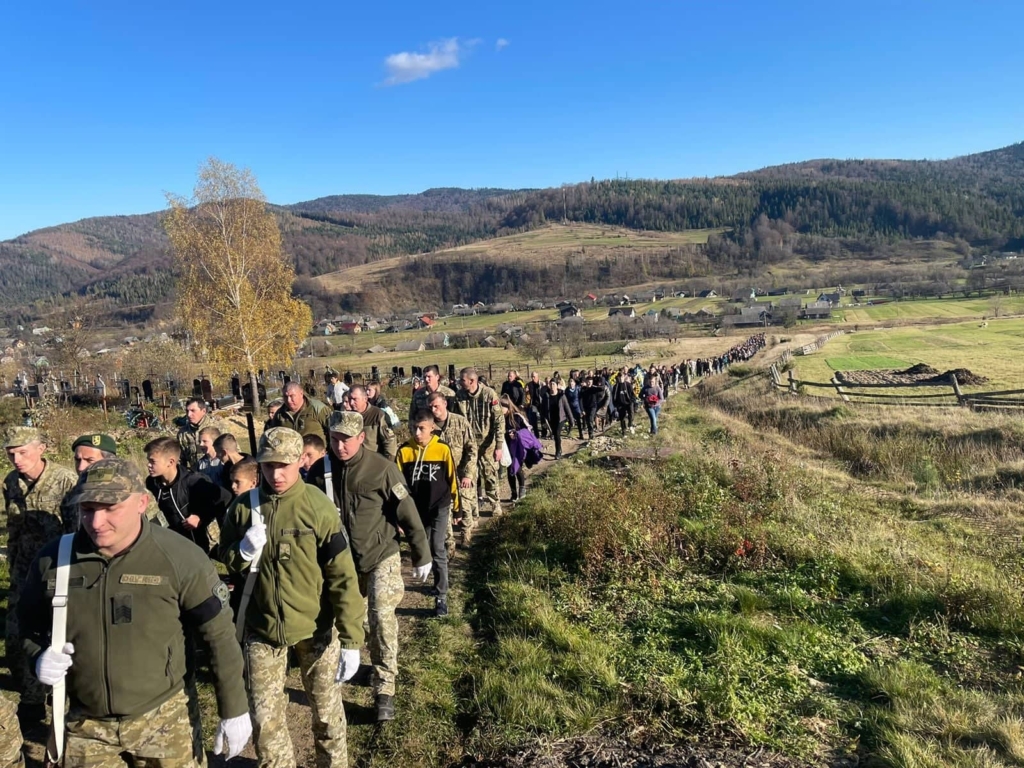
457 434
379 434
479 404
86 451
33 495
197 418
304 579
370 493
431 384
302 413
10 735
124 658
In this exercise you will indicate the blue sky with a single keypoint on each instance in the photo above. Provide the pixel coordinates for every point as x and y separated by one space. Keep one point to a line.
104 106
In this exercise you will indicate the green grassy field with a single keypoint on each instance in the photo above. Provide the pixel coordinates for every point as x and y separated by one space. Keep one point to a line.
996 351
932 308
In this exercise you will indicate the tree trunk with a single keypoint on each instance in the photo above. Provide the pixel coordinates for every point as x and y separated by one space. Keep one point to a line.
254 386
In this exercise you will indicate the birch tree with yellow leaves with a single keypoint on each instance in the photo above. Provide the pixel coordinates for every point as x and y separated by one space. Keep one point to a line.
235 284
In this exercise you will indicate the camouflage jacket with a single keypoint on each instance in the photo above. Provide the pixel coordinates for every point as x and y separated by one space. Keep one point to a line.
188 439
484 414
380 437
457 434
419 399
35 514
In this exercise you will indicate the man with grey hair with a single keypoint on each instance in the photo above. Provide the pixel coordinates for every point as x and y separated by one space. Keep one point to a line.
302 413
34 492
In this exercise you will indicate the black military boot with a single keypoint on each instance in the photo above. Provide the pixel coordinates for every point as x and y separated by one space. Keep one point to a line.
385 707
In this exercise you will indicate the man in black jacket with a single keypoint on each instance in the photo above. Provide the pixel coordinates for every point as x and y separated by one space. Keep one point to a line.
189 500
593 397
622 398
515 390
538 395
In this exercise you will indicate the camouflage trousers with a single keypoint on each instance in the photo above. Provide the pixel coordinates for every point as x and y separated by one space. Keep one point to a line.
10 735
470 514
487 474
382 590
25 681
161 738
267 668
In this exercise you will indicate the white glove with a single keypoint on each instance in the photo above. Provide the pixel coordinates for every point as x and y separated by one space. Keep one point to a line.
422 573
52 665
253 542
348 665
237 731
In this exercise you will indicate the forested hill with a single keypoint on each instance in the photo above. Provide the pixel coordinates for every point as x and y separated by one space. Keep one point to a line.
979 198
976 198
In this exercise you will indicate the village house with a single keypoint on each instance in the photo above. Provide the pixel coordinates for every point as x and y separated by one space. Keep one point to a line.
817 310
708 294
569 310
350 329
436 340
622 312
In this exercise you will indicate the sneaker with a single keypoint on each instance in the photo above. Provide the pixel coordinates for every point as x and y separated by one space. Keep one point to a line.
441 607
385 707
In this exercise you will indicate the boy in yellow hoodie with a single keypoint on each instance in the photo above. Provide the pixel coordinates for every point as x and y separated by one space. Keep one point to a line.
429 472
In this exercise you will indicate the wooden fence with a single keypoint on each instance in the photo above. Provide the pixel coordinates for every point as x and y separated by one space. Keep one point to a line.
853 392
818 343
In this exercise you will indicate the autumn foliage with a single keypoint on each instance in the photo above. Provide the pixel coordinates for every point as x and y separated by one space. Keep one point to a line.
234 293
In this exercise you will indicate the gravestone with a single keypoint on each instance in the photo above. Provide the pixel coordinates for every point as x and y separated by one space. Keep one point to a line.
236 388
147 390
126 389
206 390
374 373
197 388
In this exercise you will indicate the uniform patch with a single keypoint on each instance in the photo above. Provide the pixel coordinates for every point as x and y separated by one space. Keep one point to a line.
222 593
141 579
96 439
400 491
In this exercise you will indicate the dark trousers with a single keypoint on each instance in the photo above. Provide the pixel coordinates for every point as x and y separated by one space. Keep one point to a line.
625 419
556 433
437 532
517 482
579 422
591 421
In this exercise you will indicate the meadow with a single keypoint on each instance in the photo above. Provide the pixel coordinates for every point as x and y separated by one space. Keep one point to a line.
995 351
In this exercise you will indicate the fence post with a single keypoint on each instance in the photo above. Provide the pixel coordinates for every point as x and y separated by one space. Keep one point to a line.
792 382
839 389
956 390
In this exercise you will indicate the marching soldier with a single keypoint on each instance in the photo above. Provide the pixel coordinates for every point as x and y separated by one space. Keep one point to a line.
197 418
10 735
304 595
457 434
431 384
134 590
34 494
379 434
86 451
302 413
479 404
370 493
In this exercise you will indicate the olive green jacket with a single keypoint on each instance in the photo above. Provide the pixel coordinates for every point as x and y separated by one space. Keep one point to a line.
311 419
374 501
306 575
127 617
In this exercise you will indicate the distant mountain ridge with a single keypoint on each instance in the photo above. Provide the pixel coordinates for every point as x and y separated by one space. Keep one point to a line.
978 198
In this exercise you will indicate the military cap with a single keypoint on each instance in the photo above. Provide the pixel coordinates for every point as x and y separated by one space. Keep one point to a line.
281 445
109 481
19 436
100 441
347 423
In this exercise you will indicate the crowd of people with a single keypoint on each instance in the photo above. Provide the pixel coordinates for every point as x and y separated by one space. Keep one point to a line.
114 588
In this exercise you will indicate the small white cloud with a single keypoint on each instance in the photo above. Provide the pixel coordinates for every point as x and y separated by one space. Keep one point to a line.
501 44
406 67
